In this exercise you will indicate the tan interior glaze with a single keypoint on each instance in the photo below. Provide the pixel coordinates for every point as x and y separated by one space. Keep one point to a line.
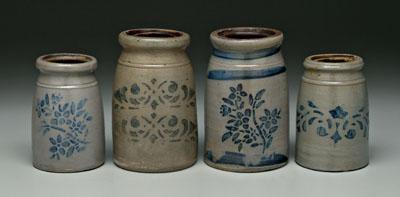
67 59
333 58
249 33
153 33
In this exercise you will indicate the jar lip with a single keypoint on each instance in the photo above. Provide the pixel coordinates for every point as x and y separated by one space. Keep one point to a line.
66 62
334 61
154 38
246 39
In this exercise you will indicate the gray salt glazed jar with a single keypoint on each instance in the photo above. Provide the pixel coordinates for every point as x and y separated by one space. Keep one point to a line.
246 101
67 115
332 114
154 102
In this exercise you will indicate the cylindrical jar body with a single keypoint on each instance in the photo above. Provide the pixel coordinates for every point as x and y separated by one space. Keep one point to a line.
154 102
332 114
67 115
246 101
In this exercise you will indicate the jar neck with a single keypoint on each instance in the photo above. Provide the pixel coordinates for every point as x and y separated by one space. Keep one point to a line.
333 69
153 57
335 77
66 80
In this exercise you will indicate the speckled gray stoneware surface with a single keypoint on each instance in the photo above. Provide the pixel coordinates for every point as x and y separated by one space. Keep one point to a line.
154 102
332 114
67 115
246 101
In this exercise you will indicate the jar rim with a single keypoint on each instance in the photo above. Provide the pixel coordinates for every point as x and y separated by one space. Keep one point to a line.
334 61
245 39
66 62
154 38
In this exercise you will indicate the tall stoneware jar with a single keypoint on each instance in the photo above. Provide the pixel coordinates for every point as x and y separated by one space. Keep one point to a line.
246 101
332 114
67 118
154 102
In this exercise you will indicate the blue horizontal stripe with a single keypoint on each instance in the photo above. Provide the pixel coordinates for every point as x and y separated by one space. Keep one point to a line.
245 74
246 56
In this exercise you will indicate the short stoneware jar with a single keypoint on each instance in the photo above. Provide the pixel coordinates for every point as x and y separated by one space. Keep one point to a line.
332 114
67 115
154 102
246 101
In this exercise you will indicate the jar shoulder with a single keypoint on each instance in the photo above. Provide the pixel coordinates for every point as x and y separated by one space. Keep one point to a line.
66 80
219 63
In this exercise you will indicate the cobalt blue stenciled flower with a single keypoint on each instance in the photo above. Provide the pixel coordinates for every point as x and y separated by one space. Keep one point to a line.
77 126
338 112
69 120
58 146
237 92
243 126
243 118
225 110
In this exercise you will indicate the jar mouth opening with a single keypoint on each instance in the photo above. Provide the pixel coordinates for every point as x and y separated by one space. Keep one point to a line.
246 39
249 33
67 59
334 61
334 58
153 33
66 62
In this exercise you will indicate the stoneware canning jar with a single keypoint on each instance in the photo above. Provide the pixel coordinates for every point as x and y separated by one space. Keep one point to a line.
67 118
332 114
154 102
246 101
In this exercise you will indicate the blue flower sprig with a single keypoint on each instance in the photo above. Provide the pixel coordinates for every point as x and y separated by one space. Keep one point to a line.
68 121
243 126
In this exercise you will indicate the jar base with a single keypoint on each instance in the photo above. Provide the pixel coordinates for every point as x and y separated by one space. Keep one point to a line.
333 171
242 169
154 170
88 168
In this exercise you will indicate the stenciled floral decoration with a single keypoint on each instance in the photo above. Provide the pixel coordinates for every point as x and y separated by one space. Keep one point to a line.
67 122
338 123
244 127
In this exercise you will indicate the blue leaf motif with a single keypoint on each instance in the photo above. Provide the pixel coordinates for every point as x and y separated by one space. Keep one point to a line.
273 129
226 136
311 104
46 99
311 120
53 149
81 104
350 134
251 99
360 124
259 94
227 101
72 108
321 131
52 141
70 151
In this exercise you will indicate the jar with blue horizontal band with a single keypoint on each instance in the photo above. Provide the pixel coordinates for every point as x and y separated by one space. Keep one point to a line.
332 114
246 102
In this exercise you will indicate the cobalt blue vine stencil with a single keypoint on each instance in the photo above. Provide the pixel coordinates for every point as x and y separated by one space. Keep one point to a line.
65 123
337 123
